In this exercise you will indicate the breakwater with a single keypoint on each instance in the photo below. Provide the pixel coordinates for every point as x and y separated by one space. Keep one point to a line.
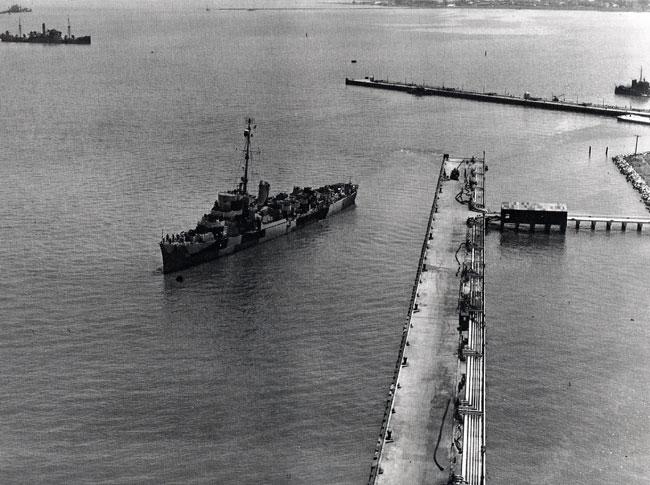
636 169
491 97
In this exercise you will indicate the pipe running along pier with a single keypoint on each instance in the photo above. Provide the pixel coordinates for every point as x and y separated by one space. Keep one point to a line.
527 100
433 429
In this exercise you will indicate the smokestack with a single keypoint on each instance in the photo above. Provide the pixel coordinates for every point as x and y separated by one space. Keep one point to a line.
43 28
263 193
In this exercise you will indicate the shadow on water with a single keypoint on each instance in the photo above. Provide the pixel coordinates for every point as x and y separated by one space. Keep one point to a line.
510 239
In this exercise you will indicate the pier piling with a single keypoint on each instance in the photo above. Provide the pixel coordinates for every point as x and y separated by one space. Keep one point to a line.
610 221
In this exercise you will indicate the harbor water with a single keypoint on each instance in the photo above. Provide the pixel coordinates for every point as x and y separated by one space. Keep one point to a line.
273 365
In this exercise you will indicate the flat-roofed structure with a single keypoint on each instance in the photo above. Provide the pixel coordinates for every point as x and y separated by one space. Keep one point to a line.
533 214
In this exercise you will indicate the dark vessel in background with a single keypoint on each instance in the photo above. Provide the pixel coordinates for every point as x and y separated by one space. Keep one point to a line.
239 220
51 36
16 9
637 88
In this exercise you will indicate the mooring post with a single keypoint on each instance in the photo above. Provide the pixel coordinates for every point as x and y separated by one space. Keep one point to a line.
608 226
623 226
577 224
639 226
593 225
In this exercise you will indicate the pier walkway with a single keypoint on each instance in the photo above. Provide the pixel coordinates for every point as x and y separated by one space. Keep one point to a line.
531 102
434 428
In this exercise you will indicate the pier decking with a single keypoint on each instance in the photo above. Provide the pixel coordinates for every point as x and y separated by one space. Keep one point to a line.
531 102
434 427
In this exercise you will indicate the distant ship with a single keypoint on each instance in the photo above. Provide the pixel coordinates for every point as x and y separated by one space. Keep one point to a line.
51 36
239 220
637 88
16 9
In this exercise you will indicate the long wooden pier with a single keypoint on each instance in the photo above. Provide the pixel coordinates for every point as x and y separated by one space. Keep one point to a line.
433 429
528 101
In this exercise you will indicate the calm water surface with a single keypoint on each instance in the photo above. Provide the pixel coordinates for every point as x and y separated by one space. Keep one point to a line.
272 366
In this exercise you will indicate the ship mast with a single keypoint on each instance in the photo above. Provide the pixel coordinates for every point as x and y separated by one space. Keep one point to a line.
248 134
69 36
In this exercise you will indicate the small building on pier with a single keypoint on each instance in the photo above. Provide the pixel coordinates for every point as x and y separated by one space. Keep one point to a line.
533 214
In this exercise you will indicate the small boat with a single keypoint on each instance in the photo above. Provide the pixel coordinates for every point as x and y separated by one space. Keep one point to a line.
644 120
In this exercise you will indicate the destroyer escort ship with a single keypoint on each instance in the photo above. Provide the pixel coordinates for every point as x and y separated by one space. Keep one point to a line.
239 220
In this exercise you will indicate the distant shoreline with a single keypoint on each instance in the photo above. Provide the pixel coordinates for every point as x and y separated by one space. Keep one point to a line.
501 6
